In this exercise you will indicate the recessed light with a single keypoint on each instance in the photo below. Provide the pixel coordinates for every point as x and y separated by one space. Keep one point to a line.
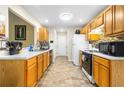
61 30
2 18
80 20
46 21
65 16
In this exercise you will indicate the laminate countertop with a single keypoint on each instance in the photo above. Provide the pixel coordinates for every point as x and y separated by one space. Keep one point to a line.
113 58
24 55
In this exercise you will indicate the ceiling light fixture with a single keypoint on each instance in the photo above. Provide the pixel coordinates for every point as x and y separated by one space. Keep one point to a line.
80 20
65 16
46 21
2 18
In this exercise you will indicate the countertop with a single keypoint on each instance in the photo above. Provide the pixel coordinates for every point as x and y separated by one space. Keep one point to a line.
24 55
113 58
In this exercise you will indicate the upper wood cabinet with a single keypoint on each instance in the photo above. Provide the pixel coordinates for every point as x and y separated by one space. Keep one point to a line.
118 18
88 29
100 20
93 25
113 20
82 31
43 34
109 21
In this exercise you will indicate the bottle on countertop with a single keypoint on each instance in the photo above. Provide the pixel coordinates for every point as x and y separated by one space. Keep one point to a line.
30 47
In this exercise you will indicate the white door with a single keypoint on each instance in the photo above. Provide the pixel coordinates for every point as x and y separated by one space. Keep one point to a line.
61 43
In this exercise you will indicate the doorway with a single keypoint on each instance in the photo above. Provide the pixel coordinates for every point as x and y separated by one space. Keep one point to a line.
61 43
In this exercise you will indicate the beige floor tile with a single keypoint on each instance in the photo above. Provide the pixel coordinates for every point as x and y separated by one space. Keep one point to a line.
64 74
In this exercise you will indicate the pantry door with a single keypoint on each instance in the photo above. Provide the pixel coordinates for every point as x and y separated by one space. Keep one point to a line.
61 44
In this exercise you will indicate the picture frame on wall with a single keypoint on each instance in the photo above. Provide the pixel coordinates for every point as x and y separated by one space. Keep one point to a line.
20 32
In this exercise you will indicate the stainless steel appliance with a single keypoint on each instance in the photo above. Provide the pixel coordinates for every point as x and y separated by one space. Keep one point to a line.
112 48
87 64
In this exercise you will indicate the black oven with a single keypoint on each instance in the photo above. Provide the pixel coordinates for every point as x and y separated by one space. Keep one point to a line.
87 62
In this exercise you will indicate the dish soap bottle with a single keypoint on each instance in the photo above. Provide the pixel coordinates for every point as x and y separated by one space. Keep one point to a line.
30 47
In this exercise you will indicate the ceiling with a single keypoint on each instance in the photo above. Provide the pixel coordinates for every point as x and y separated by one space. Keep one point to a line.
48 15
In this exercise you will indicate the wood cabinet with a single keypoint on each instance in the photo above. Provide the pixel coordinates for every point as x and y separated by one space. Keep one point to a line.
101 73
32 75
100 20
82 31
23 73
32 72
97 22
93 24
43 34
118 18
12 73
114 20
88 30
109 21
40 66
46 61
95 72
104 76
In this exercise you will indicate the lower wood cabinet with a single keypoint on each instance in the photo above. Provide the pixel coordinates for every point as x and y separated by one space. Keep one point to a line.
23 73
40 66
95 72
32 75
101 73
104 76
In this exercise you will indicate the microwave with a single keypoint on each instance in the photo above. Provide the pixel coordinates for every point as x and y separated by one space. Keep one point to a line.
112 48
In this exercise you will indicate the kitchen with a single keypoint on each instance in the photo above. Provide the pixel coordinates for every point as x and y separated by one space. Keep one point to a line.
91 48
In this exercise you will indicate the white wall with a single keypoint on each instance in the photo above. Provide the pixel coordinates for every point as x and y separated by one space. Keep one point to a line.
53 36
70 33
21 13
4 11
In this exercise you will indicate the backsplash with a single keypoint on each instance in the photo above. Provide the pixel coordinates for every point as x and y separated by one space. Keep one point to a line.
110 39
106 39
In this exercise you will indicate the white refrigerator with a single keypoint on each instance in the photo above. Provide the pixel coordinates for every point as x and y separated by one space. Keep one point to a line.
78 43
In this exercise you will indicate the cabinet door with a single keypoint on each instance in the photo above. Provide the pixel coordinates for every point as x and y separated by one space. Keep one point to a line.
44 61
103 76
93 25
109 21
32 75
88 31
118 18
96 72
41 35
100 20
40 66
48 58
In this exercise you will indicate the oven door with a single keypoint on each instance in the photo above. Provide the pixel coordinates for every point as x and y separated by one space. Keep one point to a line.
87 64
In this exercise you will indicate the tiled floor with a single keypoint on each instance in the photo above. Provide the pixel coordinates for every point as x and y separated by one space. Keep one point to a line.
63 74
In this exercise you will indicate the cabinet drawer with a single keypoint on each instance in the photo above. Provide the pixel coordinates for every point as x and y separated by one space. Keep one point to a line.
102 61
31 61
